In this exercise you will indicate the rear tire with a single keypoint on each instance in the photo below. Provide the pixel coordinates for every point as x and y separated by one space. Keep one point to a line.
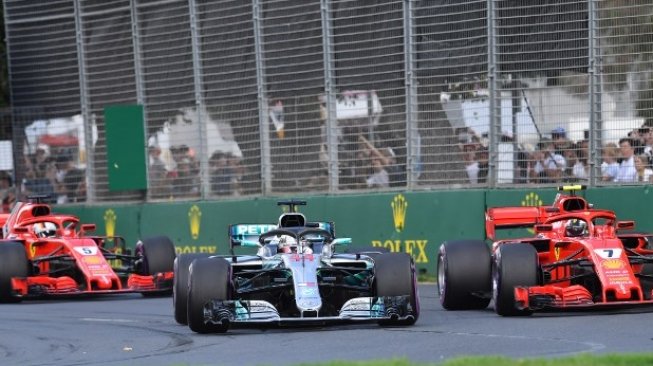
394 275
208 279
464 275
515 265
13 263
180 285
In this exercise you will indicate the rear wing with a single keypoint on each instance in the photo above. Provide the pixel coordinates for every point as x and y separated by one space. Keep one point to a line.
511 217
251 232
240 232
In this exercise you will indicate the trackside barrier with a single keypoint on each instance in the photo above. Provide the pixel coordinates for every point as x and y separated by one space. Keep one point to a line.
415 222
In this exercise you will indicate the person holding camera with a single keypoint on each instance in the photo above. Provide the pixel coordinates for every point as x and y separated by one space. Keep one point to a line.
547 166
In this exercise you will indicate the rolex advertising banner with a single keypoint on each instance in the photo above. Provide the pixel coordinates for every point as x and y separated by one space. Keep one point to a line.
415 222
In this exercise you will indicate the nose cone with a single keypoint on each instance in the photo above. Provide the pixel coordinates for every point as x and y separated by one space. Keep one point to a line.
104 283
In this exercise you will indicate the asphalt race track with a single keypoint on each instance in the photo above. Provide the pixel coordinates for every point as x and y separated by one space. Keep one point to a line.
128 329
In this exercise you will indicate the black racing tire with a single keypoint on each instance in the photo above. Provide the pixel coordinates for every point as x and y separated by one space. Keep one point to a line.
394 275
158 255
646 282
464 275
208 279
515 264
13 263
180 284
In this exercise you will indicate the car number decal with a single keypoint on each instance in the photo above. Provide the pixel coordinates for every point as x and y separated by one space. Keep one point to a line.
608 253
86 250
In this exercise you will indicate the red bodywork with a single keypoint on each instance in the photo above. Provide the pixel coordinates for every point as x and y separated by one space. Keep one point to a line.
72 262
601 268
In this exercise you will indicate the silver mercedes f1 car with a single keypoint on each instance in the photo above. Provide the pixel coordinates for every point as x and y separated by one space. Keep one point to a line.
298 276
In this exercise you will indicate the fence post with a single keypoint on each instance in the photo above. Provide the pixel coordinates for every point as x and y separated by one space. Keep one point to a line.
264 126
84 106
495 122
330 95
596 118
199 100
412 122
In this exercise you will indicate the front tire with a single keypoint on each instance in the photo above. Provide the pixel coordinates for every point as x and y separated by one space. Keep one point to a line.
209 279
394 275
13 263
464 274
180 285
515 265
158 255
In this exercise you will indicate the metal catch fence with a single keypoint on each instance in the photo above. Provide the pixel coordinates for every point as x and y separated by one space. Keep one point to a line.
286 97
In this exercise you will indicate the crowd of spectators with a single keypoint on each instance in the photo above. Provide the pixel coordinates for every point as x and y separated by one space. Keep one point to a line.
53 175
556 159
181 177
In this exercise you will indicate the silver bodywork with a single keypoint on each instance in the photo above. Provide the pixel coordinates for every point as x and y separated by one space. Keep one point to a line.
306 291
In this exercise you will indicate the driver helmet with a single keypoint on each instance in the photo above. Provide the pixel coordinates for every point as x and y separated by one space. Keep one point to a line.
286 244
45 229
576 227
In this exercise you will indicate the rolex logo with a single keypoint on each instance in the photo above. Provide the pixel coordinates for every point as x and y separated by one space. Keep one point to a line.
194 217
399 205
110 222
531 199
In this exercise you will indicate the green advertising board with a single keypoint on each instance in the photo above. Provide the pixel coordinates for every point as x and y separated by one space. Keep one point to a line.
412 222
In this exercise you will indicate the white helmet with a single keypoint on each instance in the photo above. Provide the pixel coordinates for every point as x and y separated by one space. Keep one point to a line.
45 229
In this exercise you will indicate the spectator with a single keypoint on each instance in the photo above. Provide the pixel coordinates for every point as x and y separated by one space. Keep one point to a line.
637 140
74 183
648 144
7 192
560 142
644 172
236 165
379 177
388 161
221 175
609 166
471 164
547 166
483 158
627 171
5 183
396 174
576 169
39 159
158 175
37 184
186 175
8 200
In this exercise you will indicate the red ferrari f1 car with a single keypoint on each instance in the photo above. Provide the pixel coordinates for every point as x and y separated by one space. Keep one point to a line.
578 258
47 254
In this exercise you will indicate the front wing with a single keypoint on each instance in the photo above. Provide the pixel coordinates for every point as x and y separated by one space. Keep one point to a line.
39 286
359 309
573 297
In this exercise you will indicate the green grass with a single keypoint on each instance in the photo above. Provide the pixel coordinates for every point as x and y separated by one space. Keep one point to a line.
642 359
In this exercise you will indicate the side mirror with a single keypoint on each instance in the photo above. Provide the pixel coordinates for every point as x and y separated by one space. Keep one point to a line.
88 228
625 225
341 241
543 228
